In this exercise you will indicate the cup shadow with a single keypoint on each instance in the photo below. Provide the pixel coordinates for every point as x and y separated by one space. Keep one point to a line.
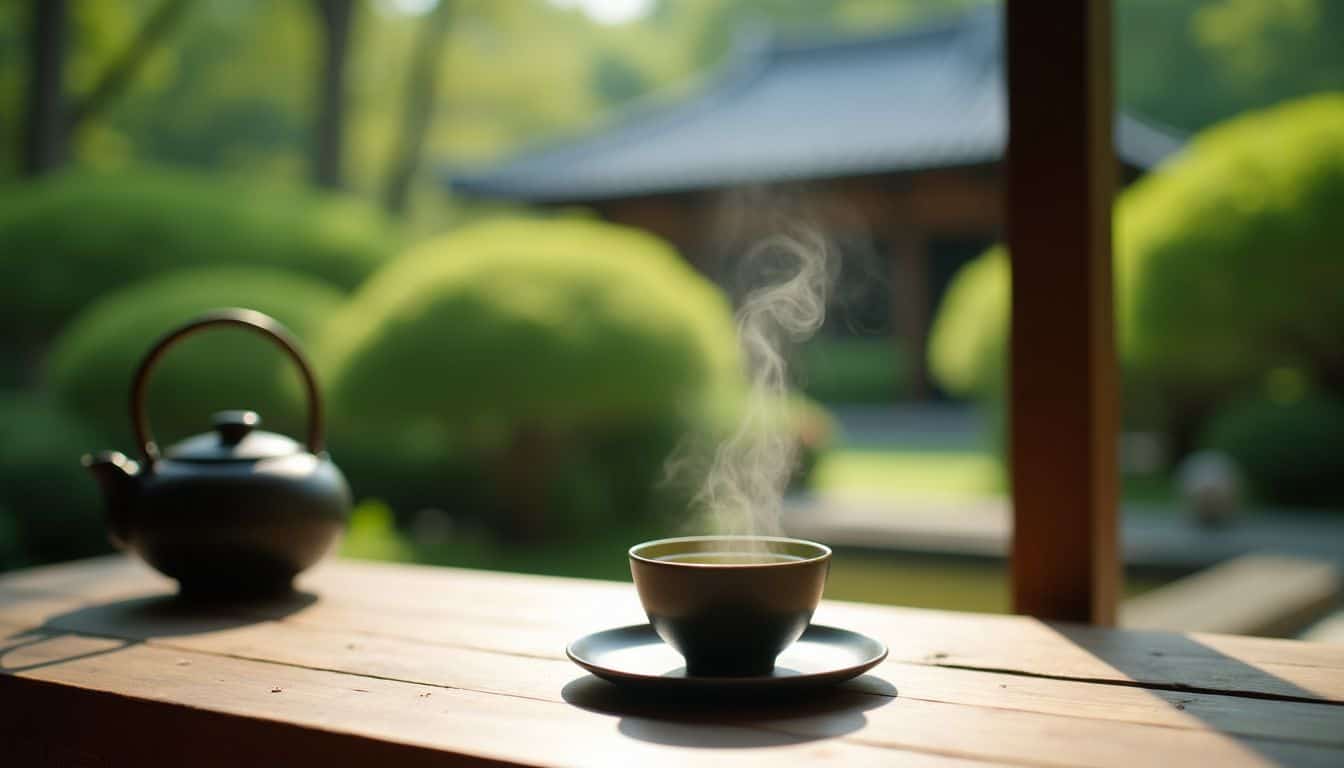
733 720
136 620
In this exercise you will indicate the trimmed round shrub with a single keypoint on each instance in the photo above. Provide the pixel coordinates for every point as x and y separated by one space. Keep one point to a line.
538 357
968 340
50 508
220 368
1237 253
1290 453
69 239
1228 264
531 321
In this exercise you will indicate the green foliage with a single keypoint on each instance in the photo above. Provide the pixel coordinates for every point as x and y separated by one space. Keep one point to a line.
372 534
552 323
966 343
94 360
49 505
1192 63
1228 265
1235 254
1291 453
69 239
859 370
615 80
559 360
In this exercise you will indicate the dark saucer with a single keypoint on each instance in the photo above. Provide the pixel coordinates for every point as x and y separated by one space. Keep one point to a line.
636 657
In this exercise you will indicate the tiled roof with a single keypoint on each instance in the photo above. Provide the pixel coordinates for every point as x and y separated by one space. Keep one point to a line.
932 97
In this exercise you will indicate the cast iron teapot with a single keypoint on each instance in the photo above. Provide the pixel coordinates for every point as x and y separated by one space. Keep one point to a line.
232 512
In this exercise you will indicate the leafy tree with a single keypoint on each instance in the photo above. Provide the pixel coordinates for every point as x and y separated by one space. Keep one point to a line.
1192 63
418 108
615 79
50 122
1228 264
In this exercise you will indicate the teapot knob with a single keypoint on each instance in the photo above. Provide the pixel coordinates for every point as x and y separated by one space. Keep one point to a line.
233 426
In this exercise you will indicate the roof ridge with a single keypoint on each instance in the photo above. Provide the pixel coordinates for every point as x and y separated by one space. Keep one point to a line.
953 23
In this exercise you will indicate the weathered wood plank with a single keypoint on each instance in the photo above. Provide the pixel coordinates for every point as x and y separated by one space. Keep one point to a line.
422 659
902 722
1270 595
537 616
269 710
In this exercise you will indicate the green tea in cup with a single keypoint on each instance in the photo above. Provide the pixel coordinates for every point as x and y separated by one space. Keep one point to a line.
730 604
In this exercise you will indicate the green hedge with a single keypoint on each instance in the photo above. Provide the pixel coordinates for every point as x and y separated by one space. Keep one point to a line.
968 340
93 361
526 364
1228 264
1290 453
68 239
531 321
854 370
49 505
1237 253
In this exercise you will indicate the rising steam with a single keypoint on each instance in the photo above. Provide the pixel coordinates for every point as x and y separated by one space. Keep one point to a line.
790 275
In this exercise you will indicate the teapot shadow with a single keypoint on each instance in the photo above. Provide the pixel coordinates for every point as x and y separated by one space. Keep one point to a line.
736 720
121 624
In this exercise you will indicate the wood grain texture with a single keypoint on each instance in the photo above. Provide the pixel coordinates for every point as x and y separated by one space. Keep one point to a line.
537 615
1268 595
487 648
1064 405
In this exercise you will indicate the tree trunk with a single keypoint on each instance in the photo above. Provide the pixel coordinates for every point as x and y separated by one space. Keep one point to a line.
44 138
329 128
418 110
119 74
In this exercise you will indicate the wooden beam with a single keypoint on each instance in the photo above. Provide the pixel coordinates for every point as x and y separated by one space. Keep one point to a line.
1063 379
908 253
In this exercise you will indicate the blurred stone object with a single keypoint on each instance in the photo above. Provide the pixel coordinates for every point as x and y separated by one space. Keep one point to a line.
1211 488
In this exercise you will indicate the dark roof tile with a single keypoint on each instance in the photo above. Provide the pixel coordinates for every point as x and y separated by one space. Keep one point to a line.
926 98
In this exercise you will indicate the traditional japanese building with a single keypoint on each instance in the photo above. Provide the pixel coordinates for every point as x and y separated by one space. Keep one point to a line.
891 145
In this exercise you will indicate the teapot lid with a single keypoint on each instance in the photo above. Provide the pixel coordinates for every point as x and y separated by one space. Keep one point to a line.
236 438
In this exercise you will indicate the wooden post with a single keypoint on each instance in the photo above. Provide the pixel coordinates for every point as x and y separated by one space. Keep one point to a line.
908 254
1063 381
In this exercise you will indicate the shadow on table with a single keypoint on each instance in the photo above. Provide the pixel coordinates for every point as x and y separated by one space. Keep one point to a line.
1231 696
739 721
129 622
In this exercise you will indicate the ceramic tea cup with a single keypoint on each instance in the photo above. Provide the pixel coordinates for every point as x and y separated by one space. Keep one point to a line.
729 604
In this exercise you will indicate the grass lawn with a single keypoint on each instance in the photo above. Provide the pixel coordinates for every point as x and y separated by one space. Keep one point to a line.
910 474
905 473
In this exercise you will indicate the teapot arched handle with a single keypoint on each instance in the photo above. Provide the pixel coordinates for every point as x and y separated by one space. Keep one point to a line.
246 318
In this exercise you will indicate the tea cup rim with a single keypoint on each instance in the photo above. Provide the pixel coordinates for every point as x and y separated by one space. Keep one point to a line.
823 551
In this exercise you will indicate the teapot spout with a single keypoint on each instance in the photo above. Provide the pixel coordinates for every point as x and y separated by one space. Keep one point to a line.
118 476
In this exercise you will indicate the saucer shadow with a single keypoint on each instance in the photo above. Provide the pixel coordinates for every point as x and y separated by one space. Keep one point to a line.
136 620
733 719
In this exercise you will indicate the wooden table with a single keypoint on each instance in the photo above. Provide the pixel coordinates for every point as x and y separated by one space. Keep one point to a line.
389 665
